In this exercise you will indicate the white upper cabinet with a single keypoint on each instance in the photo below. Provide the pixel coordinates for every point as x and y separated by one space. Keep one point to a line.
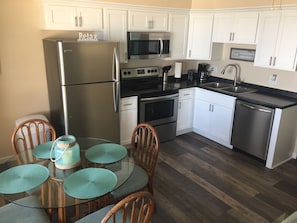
71 17
236 27
200 36
277 41
147 21
178 28
116 30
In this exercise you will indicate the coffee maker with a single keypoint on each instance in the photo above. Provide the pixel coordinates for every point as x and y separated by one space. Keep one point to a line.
203 72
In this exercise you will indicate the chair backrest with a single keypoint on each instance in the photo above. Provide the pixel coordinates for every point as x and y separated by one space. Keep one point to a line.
31 133
145 147
135 208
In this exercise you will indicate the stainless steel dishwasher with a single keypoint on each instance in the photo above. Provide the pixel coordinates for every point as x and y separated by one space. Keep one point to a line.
251 128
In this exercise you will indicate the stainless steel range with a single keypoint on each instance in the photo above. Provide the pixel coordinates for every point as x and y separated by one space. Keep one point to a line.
158 101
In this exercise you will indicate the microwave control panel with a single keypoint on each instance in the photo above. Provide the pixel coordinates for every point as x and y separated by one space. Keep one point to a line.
140 72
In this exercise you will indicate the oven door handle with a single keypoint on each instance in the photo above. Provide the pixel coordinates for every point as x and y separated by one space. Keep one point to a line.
159 97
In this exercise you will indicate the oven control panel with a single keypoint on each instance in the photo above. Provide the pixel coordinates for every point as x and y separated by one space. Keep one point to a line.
140 72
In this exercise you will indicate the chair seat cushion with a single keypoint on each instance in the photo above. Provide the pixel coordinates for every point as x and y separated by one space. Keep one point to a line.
96 216
135 182
18 214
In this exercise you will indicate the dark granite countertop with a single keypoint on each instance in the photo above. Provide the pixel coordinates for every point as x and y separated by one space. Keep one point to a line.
269 97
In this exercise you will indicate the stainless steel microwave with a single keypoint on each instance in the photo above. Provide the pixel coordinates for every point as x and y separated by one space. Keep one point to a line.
148 45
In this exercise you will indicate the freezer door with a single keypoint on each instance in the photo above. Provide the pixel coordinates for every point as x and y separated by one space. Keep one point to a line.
87 62
91 111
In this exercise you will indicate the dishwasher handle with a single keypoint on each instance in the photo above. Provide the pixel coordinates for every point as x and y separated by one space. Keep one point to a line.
254 107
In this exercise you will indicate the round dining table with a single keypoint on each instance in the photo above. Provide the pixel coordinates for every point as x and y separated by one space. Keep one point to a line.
65 188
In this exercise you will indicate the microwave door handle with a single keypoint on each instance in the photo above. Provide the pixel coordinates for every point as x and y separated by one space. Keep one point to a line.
161 47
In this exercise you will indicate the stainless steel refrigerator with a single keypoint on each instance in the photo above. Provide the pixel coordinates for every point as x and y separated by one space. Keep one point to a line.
83 87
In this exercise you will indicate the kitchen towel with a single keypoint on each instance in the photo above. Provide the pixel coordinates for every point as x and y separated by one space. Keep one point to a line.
178 69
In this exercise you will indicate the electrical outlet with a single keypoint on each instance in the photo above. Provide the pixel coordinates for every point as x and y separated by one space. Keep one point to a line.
213 70
272 79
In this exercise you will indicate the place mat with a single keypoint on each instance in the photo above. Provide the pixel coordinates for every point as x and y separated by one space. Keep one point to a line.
106 153
89 183
22 178
43 150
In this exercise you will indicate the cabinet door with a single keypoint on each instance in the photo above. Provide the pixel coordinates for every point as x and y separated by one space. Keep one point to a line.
178 27
201 122
200 35
245 29
268 30
60 17
128 118
148 21
116 30
221 123
286 47
90 18
223 27
185 111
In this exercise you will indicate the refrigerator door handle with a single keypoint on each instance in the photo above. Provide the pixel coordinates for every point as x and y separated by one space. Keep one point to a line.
116 66
116 96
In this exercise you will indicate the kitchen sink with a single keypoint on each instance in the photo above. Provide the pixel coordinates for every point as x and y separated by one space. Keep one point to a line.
217 85
238 89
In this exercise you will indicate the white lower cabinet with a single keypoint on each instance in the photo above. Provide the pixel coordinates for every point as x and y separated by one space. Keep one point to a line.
185 111
213 116
128 118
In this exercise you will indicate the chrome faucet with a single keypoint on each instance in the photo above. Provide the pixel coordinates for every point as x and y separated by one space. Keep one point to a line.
237 72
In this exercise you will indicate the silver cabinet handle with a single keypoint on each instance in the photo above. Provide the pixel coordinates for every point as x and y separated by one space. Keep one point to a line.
293 67
274 60
128 104
76 21
80 21
233 34
270 61
230 36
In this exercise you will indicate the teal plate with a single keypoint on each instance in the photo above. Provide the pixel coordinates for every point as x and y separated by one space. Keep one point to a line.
22 178
90 183
43 150
106 153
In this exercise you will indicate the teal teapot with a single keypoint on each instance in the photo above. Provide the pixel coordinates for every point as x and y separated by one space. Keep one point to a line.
65 152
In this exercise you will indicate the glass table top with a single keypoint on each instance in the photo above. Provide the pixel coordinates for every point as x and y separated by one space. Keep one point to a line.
51 192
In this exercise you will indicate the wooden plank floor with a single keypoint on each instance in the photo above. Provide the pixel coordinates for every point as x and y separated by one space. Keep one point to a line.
197 180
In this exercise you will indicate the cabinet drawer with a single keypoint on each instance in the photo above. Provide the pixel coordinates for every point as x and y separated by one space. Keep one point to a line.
128 103
185 94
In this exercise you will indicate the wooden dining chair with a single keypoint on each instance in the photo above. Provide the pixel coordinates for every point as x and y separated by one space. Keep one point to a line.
144 150
135 208
30 133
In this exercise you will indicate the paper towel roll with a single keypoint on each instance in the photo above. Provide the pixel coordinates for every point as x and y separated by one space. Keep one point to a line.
178 70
